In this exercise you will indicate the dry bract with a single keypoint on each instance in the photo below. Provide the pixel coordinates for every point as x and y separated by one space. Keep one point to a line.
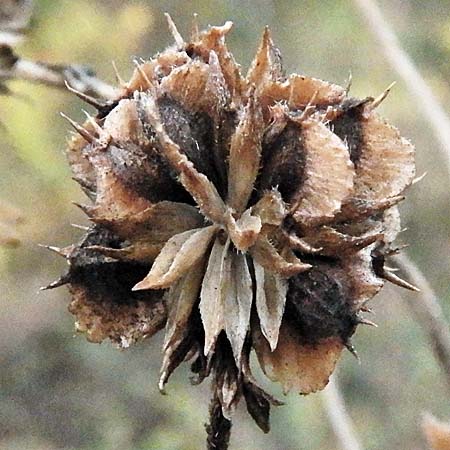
242 212
437 433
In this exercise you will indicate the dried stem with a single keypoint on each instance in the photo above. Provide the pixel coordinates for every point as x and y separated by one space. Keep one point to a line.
80 78
403 65
219 428
428 313
340 421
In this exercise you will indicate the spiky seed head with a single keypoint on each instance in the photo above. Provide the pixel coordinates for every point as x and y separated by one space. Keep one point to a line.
241 213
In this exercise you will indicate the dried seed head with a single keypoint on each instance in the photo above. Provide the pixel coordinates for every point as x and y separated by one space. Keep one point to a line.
243 213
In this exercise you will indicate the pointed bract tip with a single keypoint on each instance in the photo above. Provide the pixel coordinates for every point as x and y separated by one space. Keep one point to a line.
195 31
88 210
179 41
364 321
391 201
142 73
93 122
378 100
365 241
396 251
309 108
57 283
119 79
349 346
82 131
300 244
142 285
162 383
79 227
419 178
227 26
86 98
59 251
389 276
349 84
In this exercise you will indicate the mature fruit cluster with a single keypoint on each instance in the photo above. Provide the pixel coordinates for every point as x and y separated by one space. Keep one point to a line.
240 213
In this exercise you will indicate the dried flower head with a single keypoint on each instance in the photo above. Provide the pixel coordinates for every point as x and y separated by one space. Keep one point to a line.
240 213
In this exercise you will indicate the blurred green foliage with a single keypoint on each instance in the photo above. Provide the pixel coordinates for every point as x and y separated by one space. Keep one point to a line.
58 391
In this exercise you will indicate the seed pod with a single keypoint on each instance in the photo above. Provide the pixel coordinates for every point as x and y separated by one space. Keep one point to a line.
243 212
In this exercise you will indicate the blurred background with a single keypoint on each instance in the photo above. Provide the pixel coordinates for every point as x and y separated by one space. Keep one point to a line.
57 391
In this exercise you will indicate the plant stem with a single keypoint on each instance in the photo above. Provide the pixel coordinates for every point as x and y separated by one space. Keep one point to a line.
219 428
428 313
340 421
79 77
430 107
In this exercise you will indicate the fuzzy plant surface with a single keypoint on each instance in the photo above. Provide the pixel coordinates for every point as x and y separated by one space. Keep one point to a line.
238 214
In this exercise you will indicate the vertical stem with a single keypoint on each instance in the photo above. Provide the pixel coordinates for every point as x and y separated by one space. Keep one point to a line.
428 313
340 421
219 428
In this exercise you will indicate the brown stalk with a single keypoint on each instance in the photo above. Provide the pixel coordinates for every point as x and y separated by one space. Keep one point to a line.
428 313
338 416
78 77
219 428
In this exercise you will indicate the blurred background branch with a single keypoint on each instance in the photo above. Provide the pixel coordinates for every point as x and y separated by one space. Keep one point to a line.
79 77
428 104
338 416
15 17
427 311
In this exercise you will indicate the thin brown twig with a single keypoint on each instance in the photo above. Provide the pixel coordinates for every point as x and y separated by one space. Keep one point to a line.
219 428
79 77
340 420
430 107
428 313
